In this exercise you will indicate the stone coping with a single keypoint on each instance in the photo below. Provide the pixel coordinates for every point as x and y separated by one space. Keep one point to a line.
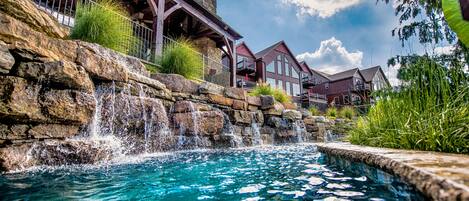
440 176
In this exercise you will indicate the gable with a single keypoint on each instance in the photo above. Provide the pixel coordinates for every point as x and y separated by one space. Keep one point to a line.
244 50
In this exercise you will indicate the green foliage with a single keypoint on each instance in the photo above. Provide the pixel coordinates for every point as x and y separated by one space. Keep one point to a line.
151 68
278 94
314 111
453 15
181 58
347 112
103 24
331 112
430 112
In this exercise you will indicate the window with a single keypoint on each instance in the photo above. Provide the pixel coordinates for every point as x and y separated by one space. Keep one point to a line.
280 84
271 82
326 85
279 67
296 90
288 88
294 74
287 69
271 67
336 100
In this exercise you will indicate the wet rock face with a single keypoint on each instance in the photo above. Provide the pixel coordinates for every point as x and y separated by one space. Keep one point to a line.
6 59
292 115
198 123
68 106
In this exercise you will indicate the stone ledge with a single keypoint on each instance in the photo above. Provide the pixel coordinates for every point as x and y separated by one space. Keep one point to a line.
439 176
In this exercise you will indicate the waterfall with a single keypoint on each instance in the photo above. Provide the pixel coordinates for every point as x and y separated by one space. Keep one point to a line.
196 140
256 133
236 140
147 124
300 130
329 136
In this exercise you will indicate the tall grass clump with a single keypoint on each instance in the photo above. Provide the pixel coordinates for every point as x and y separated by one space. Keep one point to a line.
314 111
430 112
331 112
102 23
278 94
347 112
181 58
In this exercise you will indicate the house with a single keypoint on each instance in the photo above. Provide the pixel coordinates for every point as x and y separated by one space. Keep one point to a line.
311 78
278 67
157 22
351 87
246 69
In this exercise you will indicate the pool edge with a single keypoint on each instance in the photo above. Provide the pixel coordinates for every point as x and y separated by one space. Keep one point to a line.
392 161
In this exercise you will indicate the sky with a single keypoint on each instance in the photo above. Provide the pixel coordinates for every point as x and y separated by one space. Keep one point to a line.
330 35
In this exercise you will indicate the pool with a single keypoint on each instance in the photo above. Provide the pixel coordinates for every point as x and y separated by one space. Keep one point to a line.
265 173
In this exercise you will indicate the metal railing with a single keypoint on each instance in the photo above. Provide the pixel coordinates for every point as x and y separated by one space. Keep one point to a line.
141 41
309 96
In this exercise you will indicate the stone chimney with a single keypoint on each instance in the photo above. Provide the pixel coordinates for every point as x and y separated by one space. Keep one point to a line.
210 5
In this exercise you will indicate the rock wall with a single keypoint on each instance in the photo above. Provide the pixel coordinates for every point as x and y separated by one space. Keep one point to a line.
71 102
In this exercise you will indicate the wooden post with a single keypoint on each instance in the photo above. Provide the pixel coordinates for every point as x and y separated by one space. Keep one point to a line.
233 65
159 28
465 9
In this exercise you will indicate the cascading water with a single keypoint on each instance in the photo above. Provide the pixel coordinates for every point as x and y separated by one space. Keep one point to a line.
228 131
329 136
256 133
300 130
195 140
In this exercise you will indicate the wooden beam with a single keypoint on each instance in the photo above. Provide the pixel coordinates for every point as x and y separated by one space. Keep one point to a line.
465 9
159 28
153 7
232 59
192 11
171 10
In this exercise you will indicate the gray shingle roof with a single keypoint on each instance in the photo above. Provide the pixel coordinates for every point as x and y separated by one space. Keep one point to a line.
369 73
343 75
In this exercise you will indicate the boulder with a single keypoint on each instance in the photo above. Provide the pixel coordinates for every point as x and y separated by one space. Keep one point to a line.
33 45
278 123
102 63
177 83
69 106
13 132
276 110
27 12
235 93
19 100
6 59
311 128
64 73
254 100
319 119
242 117
210 88
15 158
267 102
47 131
309 121
253 108
187 106
199 123
220 100
239 105
290 106
147 81
291 114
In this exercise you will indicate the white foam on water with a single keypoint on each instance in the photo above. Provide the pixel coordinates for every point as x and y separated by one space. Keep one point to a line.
252 188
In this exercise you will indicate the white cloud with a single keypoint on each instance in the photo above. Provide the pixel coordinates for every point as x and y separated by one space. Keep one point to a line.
332 57
391 74
321 8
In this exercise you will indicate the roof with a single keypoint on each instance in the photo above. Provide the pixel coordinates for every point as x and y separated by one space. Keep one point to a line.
266 51
305 67
247 47
343 75
325 75
215 18
369 73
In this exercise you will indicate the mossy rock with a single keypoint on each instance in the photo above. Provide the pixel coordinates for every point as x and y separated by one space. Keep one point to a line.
454 17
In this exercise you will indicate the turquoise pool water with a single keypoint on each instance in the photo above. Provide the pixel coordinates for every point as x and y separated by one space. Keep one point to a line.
269 173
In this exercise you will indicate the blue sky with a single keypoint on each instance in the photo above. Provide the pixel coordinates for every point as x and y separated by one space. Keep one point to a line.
331 35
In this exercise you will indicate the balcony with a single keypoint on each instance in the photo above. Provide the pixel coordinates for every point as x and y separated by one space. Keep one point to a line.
245 67
308 82
361 87
313 97
246 84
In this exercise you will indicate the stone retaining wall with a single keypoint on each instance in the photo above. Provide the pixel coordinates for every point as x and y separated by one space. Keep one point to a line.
64 99
439 176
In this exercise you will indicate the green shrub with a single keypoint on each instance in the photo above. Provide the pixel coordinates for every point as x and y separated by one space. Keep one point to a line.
103 24
182 58
331 112
430 112
314 111
278 94
347 112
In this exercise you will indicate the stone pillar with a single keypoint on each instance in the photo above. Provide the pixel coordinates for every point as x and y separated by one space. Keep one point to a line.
213 68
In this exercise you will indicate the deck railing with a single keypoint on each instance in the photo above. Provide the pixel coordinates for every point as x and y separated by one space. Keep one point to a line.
312 96
141 44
